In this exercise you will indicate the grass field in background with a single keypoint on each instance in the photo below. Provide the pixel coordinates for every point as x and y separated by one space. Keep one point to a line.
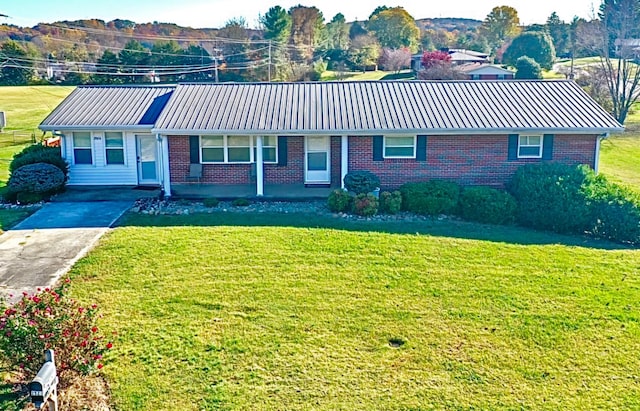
210 315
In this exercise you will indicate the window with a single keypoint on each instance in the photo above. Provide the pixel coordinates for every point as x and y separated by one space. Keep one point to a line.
237 149
82 148
400 147
212 149
530 146
114 148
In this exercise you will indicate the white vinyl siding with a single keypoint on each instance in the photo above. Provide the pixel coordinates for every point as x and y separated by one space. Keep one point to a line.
399 147
99 173
530 146
236 149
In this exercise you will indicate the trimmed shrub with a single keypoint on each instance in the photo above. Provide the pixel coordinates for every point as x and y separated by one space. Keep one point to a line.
365 205
240 202
390 202
38 153
211 202
339 201
487 205
430 197
361 182
42 179
615 210
50 319
550 196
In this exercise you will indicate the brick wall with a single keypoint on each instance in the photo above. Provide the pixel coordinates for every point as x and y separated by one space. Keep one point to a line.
479 160
292 173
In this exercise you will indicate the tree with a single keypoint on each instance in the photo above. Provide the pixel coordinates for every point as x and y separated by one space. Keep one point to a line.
235 50
134 59
620 21
395 28
356 30
16 67
535 44
528 69
395 60
364 52
276 24
197 56
307 30
337 33
108 66
165 54
559 32
436 65
500 25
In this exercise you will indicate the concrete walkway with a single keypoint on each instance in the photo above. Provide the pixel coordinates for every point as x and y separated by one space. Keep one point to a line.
45 246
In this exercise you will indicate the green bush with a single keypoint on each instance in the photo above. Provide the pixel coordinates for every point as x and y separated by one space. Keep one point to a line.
390 202
40 178
550 196
49 319
430 197
365 205
240 202
361 182
339 201
39 154
487 205
211 202
615 210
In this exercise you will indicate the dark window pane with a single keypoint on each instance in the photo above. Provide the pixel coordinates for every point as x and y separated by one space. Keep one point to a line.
212 155
115 156
240 154
398 152
82 156
529 151
269 154
316 161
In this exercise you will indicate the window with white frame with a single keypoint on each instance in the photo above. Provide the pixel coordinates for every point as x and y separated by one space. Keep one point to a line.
114 148
400 147
237 149
530 146
82 153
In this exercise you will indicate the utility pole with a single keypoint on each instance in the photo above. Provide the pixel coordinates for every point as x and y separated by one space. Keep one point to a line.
269 61
215 62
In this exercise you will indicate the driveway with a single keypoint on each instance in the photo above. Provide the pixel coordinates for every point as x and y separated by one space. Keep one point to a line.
43 247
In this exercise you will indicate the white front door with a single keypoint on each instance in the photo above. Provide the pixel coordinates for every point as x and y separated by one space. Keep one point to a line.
147 151
317 160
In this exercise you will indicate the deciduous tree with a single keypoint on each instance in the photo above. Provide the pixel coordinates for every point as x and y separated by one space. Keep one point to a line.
395 60
16 68
501 24
395 28
528 69
535 44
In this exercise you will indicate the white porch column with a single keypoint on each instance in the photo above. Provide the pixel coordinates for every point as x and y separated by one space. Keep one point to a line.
344 159
259 168
596 162
166 174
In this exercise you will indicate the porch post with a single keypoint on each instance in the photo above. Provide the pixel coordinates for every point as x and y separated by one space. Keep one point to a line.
344 158
166 174
259 168
596 161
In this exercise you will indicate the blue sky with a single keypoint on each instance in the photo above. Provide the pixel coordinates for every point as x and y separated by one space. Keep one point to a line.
213 13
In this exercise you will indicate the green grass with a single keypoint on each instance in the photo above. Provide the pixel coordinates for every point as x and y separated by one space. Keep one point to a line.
226 317
27 106
620 156
11 217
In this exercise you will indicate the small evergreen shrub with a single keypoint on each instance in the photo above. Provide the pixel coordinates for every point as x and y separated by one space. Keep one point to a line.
211 202
365 205
487 205
38 153
339 201
361 182
49 319
432 197
390 202
550 196
40 179
240 202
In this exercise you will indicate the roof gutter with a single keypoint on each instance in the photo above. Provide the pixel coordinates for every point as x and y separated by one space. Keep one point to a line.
94 128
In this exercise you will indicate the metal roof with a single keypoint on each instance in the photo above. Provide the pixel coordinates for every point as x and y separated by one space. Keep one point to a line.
361 108
104 107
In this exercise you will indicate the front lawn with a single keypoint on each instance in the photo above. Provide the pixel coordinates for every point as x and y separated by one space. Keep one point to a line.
362 316
620 157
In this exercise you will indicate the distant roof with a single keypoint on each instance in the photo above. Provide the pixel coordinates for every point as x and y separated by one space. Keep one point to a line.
102 107
363 108
457 56
477 68
469 52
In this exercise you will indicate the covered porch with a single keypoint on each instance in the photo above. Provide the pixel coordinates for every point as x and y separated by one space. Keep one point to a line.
273 192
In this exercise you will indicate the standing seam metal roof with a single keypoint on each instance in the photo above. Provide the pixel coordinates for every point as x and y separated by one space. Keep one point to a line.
109 106
383 106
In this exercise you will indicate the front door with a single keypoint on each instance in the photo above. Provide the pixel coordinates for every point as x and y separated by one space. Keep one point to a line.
147 148
317 160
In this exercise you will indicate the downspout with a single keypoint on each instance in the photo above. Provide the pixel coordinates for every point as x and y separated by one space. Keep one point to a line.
596 161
